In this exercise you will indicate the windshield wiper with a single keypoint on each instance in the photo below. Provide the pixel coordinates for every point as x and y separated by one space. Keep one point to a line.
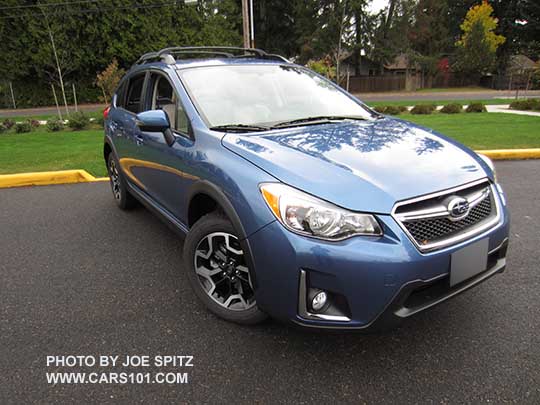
322 119
239 128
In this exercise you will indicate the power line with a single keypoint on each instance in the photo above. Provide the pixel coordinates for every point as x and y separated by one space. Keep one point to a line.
98 10
67 3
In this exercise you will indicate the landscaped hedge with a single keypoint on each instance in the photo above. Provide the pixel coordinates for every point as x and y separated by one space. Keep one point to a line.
23 127
55 125
526 104
452 108
78 121
390 109
8 123
476 108
423 109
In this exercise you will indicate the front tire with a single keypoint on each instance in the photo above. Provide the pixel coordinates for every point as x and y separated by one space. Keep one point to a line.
121 195
217 270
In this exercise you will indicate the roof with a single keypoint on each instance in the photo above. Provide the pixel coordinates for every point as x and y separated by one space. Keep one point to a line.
195 54
401 62
190 63
521 63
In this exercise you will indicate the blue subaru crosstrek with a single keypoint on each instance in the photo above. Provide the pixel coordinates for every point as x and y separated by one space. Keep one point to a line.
298 201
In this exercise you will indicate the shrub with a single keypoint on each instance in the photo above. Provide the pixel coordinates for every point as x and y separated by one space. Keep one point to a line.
55 125
8 123
2 128
78 121
403 109
99 121
423 109
392 110
452 108
476 108
527 104
34 123
23 127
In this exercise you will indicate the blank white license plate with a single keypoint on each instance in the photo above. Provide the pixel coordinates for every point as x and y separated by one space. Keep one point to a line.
469 261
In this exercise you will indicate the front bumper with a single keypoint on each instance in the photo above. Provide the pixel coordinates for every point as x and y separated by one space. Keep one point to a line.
382 280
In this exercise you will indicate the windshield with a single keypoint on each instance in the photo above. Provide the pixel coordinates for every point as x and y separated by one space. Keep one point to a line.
265 95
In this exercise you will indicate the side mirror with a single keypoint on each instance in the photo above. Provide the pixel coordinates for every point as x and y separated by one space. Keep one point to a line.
155 121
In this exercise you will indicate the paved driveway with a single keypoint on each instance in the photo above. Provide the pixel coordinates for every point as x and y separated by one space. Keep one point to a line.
78 276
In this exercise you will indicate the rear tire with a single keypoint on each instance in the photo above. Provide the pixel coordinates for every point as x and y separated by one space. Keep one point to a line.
218 272
121 194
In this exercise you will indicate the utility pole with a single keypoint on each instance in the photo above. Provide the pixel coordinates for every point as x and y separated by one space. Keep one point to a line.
245 23
251 25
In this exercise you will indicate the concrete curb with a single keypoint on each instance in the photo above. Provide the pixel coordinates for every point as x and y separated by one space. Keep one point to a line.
47 178
511 154
82 176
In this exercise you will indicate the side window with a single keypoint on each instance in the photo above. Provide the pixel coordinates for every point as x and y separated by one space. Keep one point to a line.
134 94
120 94
164 98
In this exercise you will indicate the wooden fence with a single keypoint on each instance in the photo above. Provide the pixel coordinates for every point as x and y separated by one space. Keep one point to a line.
366 84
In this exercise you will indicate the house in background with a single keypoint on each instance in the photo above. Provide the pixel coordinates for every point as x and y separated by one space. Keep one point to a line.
403 66
520 72
364 67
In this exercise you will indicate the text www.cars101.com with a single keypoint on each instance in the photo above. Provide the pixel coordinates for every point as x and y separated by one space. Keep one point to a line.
117 378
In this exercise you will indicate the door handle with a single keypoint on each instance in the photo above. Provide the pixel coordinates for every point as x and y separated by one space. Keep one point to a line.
139 140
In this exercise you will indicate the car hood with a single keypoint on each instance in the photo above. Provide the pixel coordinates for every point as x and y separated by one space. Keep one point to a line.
361 165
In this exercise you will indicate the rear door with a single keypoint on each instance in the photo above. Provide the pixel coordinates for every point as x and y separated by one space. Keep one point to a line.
128 137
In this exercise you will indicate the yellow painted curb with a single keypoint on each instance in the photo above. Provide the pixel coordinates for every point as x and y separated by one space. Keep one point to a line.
508 154
82 176
47 178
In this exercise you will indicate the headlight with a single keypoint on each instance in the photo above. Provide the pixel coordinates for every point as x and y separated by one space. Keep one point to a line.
489 162
307 215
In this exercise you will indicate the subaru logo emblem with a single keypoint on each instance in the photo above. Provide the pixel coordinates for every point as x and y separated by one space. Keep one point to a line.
458 208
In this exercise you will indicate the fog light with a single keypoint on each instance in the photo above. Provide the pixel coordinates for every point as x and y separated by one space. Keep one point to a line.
319 301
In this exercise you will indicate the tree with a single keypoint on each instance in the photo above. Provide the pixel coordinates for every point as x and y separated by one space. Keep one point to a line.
391 35
481 15
109 79
477 47
325 28
429 36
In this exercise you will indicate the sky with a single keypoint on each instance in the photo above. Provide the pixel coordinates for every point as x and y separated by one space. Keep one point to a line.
377 5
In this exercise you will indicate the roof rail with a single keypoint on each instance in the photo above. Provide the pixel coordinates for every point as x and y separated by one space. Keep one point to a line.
167 55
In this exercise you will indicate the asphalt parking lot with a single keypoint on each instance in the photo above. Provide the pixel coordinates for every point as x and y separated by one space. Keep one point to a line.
78 276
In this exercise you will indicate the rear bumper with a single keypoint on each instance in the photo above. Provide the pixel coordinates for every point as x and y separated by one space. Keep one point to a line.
381 281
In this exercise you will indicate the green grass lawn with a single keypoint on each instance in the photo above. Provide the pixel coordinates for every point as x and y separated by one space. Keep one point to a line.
492 101
485 130
42 151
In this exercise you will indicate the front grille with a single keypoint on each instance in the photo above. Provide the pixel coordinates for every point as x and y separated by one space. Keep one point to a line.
433 229
430 224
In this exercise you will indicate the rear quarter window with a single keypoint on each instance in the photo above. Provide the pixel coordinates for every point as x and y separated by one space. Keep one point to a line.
120 94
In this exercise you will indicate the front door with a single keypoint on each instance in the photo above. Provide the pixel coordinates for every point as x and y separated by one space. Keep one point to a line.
161 169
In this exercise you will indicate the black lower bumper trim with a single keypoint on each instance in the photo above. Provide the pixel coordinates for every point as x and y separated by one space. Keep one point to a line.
405 303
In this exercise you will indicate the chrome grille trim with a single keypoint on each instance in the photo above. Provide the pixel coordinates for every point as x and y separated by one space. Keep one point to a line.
439 211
